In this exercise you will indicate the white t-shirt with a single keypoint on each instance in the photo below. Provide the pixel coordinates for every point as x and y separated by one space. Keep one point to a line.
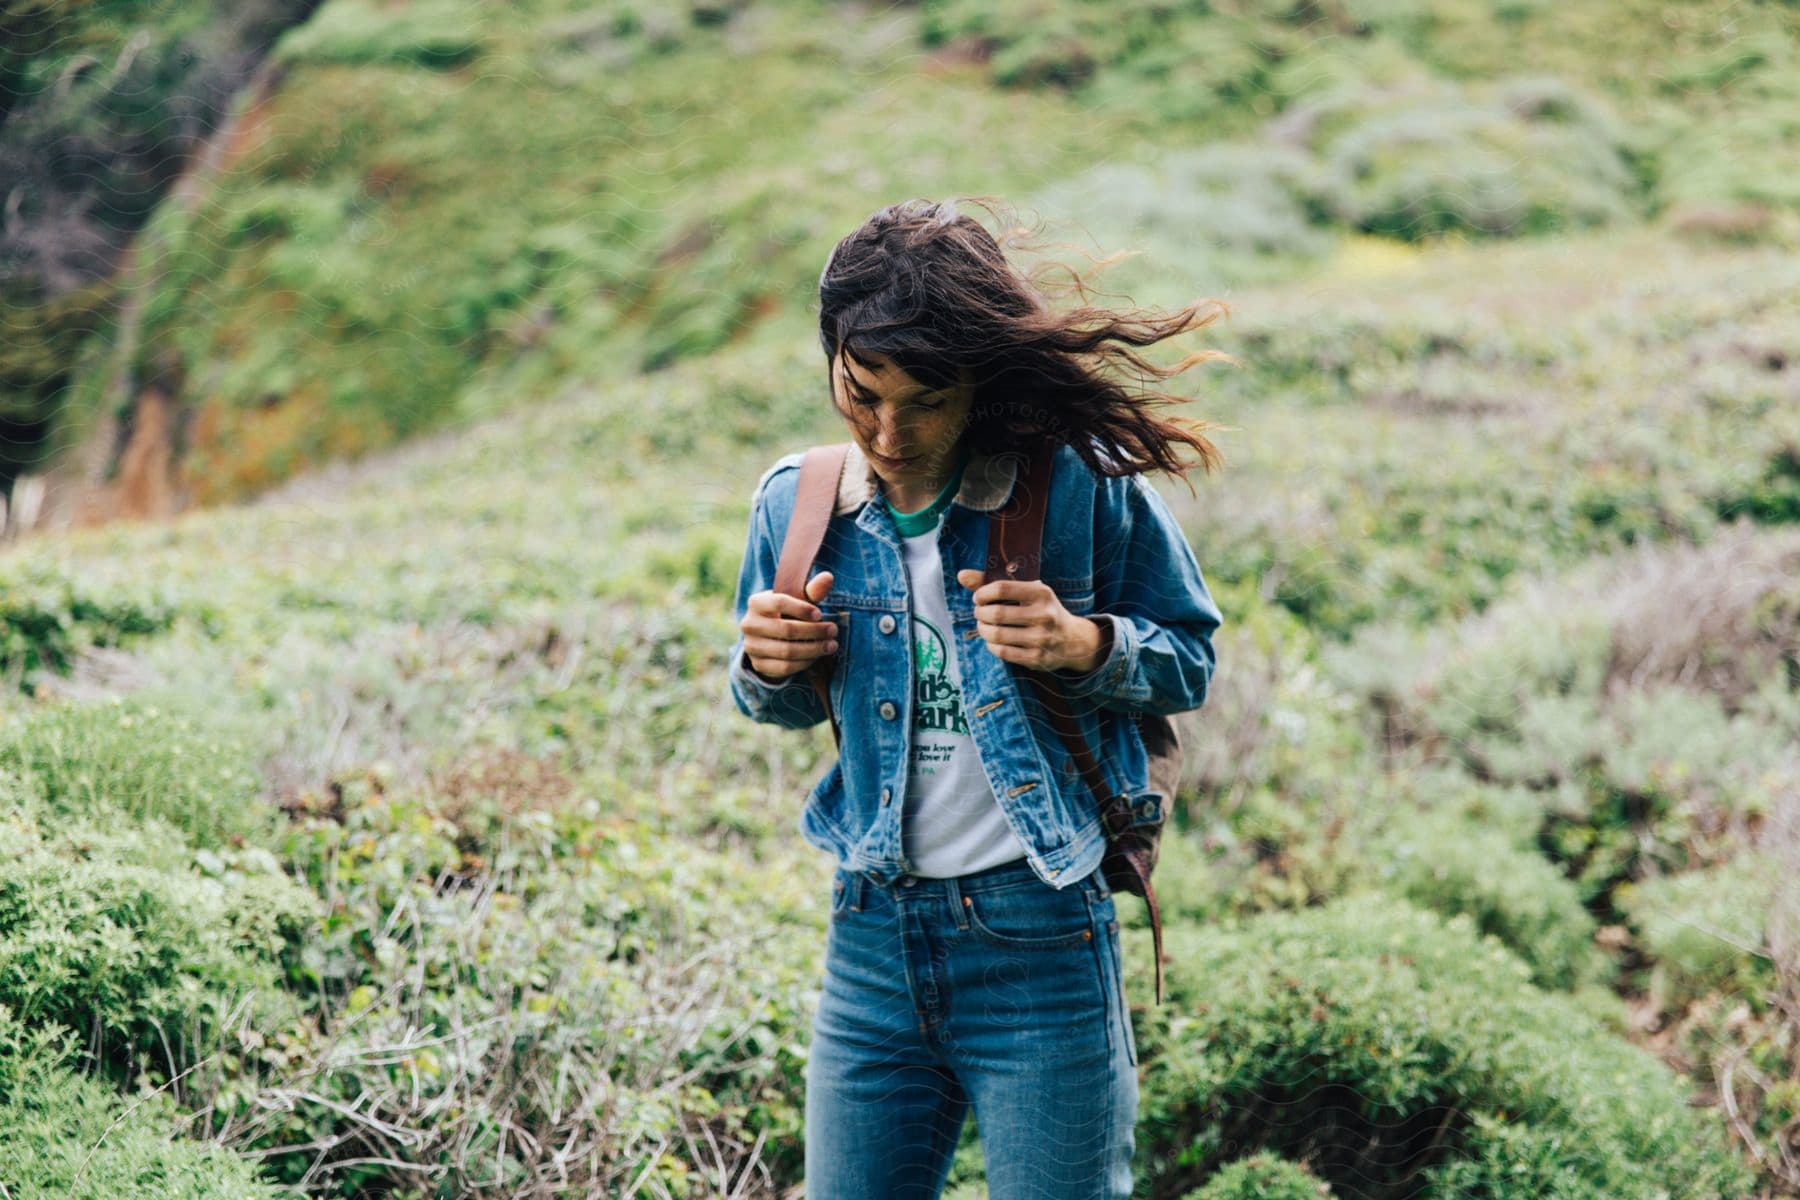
951 823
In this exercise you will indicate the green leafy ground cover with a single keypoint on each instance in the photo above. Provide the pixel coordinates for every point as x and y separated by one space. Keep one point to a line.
394 834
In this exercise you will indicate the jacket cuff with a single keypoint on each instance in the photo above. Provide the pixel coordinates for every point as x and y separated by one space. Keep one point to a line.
742 670
1102 682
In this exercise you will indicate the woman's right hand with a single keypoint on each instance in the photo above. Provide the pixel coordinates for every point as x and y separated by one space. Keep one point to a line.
783 634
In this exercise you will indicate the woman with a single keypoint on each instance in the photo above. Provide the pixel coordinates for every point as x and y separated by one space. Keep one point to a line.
972 959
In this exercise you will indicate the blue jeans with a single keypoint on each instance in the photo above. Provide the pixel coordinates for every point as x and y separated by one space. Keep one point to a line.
992 991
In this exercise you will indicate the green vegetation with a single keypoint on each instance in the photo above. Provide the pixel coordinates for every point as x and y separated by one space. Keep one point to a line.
1392 1046
393 833
1262 1176
70 1138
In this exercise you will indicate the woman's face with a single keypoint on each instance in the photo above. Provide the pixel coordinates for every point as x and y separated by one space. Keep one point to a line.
908 421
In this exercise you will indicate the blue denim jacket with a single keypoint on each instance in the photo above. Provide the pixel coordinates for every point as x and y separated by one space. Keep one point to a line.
1112 551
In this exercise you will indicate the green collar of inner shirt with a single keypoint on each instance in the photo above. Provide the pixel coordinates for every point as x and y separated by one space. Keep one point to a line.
914 523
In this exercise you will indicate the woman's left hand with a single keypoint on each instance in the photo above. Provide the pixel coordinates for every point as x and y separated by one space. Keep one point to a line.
1023 621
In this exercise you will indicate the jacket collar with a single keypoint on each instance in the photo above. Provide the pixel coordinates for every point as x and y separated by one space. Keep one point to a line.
987 481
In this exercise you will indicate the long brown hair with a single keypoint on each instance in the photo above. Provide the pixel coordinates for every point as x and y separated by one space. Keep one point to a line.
931 290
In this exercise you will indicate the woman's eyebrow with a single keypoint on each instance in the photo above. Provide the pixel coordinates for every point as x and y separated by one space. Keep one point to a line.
868 396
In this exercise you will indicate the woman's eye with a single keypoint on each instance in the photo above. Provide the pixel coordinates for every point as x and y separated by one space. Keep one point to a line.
929 401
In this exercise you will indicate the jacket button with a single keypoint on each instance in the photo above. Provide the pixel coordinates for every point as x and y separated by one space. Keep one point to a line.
887 623
888 710
887 793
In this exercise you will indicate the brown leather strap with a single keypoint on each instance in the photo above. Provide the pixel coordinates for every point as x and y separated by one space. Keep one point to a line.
1015 542
1015 545
814 498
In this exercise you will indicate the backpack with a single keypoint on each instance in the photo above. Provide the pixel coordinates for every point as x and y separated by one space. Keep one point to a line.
1015 537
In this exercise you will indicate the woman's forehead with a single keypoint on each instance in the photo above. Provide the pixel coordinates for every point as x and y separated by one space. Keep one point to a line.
884 378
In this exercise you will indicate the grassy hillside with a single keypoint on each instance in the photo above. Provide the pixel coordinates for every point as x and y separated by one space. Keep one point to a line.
450 209
395 827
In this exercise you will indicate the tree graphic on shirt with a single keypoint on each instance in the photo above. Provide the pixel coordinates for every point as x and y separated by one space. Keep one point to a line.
937 702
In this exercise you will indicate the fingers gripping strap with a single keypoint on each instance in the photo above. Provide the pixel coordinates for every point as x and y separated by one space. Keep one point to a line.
814 497
1015 551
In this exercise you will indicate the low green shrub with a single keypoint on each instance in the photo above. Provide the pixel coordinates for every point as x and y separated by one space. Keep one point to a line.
64 1136
147 947
485 988
1449 864
1262 1177
136 759
443 34
1403 1054
1526 155
1704 930
46 620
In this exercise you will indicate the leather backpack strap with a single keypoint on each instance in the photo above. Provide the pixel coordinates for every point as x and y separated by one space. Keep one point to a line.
1015 546
814 498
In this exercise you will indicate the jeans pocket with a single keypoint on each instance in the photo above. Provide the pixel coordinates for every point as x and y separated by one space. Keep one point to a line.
1036 916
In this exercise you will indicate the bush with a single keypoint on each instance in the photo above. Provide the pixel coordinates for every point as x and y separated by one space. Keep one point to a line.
1387 1046
440 35
1535 158
1230 209
482 982
148 948
46 621
131 760
1704 930
1262 1177
1452 865
64 1137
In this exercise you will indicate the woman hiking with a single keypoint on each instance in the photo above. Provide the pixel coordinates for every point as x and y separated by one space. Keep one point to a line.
972 959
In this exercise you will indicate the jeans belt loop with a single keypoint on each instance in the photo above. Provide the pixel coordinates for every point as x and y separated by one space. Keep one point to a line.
957 908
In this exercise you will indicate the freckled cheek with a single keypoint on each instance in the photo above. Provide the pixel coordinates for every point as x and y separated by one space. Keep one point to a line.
935 430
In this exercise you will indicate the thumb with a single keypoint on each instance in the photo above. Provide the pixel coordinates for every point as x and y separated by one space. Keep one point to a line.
815 591
970 578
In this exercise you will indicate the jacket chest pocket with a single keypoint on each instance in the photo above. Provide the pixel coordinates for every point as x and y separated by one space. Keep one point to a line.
859 631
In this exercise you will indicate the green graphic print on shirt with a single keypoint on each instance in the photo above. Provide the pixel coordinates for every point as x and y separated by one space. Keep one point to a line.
937 702
951 821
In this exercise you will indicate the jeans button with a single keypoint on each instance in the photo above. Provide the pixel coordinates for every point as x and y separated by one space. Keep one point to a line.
909 880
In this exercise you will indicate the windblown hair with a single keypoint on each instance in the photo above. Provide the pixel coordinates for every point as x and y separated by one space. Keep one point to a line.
932 291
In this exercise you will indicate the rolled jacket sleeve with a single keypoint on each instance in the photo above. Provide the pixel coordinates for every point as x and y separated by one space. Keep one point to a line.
1149 589
791 702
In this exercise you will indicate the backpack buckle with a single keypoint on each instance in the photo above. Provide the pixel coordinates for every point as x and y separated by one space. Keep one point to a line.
1116 815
